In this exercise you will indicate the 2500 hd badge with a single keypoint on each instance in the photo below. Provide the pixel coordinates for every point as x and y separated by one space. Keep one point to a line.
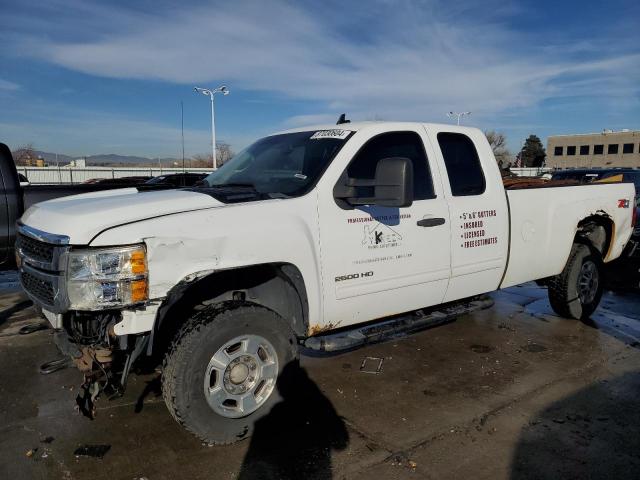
353 276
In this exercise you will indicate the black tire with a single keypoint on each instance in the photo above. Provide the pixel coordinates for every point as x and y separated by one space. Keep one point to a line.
563 289
184 367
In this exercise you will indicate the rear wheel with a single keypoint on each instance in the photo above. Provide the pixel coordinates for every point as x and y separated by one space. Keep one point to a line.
222 371
577 290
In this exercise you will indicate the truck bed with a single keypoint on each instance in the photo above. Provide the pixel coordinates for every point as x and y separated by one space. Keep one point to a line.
541 220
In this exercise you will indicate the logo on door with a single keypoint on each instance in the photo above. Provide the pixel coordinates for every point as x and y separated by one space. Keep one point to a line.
380 236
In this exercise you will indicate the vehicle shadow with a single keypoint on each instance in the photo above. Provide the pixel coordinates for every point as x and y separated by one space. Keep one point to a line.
594 433
296 438
13 309
153 387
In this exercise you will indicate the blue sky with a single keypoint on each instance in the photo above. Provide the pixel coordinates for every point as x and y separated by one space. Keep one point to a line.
85 77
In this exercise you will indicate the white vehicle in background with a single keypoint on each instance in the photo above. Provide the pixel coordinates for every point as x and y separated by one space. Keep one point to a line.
304 234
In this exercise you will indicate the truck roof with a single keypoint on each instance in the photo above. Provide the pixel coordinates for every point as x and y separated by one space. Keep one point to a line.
356 126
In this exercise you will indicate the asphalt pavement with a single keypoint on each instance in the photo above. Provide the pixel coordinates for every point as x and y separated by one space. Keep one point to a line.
512 392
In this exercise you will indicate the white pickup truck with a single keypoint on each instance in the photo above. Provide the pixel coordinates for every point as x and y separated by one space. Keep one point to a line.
302 234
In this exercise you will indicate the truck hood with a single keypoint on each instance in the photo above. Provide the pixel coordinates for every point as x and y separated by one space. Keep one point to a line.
82 217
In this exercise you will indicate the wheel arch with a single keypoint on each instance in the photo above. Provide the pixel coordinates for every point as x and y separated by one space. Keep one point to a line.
277 286
596 231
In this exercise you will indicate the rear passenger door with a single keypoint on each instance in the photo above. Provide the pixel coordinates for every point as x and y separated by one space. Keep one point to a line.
478 210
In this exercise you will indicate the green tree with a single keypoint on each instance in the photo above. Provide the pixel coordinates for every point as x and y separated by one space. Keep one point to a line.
532 153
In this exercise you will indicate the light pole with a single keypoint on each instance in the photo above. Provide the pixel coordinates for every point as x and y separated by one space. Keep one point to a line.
458 115
210 93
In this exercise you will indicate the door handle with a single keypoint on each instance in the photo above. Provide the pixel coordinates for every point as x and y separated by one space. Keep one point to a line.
431 222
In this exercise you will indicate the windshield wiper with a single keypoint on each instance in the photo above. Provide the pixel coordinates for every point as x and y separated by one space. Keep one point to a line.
222 185
252 187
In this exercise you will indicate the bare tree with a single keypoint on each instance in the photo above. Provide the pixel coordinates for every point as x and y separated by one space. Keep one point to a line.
223 154
201 161
23 154
498 143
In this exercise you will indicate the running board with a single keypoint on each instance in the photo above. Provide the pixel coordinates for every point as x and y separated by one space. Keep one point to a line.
409 323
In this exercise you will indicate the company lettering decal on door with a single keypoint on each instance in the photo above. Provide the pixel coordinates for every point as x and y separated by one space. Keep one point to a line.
473 229
380 218
386 258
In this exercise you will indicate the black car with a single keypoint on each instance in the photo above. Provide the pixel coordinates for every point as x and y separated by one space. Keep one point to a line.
177 179
120 181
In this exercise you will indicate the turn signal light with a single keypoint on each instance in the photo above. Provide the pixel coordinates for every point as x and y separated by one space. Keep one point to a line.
139 290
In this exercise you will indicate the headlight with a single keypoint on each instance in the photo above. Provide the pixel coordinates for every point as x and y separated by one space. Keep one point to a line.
107 277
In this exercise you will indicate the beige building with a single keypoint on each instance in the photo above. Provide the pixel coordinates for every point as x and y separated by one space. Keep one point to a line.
605 150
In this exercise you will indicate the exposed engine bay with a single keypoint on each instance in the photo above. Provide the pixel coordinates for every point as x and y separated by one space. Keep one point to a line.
104 358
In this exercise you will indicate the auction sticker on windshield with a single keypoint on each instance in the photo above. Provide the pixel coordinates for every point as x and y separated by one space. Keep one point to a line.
335 133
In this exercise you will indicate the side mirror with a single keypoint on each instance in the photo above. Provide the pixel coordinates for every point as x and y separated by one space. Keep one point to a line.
392 187
394 182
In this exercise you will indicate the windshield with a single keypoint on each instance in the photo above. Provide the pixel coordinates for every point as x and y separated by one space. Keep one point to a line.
287 164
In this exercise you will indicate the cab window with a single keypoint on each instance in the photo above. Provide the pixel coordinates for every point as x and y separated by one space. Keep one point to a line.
395 144
463 164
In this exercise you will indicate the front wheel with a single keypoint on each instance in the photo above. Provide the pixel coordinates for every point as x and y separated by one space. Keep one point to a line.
223 371
577 290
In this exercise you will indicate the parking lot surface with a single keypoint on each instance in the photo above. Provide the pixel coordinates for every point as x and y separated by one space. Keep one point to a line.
509 392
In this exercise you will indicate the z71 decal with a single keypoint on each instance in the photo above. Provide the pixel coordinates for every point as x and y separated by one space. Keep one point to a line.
623 203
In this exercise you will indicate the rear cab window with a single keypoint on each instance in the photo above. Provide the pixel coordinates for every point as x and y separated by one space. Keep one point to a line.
463 165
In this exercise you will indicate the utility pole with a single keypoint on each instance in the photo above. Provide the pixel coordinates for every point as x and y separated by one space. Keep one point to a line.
210 93
182 126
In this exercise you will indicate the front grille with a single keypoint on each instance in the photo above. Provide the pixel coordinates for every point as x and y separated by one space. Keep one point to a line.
35 249
40 288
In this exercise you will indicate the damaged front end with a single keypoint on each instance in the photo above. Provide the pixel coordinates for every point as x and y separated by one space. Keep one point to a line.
84 292
103 358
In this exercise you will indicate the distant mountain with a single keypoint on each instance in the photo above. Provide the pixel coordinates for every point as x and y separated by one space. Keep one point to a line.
110 159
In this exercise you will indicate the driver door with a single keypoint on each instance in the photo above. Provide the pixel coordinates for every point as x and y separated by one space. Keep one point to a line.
380 261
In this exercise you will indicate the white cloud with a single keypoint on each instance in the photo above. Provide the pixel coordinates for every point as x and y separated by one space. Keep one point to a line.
411 60
8 86
394 59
